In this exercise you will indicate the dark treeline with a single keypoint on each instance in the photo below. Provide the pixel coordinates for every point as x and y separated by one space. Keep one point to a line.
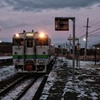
5 48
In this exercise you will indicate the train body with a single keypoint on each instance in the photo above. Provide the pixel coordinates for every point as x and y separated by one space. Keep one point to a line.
32 52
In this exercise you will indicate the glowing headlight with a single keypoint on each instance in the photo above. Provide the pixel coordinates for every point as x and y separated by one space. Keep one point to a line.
41 35
17 35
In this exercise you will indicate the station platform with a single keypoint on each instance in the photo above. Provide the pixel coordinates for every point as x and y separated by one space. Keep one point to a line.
5 57
61 86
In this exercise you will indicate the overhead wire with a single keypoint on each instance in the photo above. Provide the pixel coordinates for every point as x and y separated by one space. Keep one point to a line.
93 33
95 23
92 25
90 32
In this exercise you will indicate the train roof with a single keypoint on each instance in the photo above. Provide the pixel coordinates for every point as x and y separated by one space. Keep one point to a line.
37 35
34 34
22 34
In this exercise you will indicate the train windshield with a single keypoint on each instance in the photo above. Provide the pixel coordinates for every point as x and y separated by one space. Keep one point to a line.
43 41
18 42
30 43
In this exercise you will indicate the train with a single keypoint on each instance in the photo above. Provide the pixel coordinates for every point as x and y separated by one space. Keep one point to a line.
32 51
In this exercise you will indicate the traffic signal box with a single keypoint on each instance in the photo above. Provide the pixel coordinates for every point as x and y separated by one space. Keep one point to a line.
61 24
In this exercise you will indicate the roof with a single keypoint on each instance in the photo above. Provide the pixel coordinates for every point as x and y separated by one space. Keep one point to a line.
96 45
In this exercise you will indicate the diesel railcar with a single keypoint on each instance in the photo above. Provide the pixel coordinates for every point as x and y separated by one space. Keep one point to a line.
32 52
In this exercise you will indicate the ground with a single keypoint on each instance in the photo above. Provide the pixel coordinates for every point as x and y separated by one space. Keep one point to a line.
60 84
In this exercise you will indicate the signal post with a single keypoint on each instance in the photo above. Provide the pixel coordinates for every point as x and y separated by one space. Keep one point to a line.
62 24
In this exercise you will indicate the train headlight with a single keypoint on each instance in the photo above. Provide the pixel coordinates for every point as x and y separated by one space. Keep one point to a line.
41 61
17 35
41 35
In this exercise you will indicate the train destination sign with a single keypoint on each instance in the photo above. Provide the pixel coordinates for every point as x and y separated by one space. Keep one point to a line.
29 35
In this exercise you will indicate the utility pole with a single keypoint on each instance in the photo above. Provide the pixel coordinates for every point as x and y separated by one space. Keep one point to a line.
0 40
87 26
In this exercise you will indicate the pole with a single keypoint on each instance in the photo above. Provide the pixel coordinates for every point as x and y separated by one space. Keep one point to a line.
85 55
73 19
73 74
73 49
95 55
62 50
77 53
79 59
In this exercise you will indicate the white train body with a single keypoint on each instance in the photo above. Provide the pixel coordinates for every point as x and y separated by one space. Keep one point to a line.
31 52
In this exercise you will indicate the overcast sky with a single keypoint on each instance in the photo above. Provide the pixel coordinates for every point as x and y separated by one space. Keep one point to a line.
39 15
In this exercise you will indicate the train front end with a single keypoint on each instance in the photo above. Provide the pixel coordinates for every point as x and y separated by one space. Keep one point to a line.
31 52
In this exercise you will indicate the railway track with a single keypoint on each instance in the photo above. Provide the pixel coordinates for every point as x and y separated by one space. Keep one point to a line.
36 83
19 88
10 86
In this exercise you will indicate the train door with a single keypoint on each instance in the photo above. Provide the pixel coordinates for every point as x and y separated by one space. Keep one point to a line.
29 54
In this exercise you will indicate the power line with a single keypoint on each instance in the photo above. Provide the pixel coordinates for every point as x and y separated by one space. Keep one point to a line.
92 25
94 30
90 32
95 23
94 33
95 20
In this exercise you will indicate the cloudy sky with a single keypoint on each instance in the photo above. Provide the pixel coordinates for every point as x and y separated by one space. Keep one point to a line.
39 15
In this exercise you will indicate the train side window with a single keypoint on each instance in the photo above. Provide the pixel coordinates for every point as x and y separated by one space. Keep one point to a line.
18 42
22 43
37 42
15 42
41 41
45 42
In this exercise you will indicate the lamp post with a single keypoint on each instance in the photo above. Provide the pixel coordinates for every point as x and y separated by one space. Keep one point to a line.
77 48
78 53
85 57
95 54
0 40
84 39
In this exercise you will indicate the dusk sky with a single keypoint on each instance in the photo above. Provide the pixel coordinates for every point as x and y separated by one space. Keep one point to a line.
39 15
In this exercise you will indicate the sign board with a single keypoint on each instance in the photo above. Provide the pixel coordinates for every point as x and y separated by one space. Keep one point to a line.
29 35
61 24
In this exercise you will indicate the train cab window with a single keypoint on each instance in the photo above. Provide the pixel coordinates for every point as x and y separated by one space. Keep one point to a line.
18 42
29 43
42 41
